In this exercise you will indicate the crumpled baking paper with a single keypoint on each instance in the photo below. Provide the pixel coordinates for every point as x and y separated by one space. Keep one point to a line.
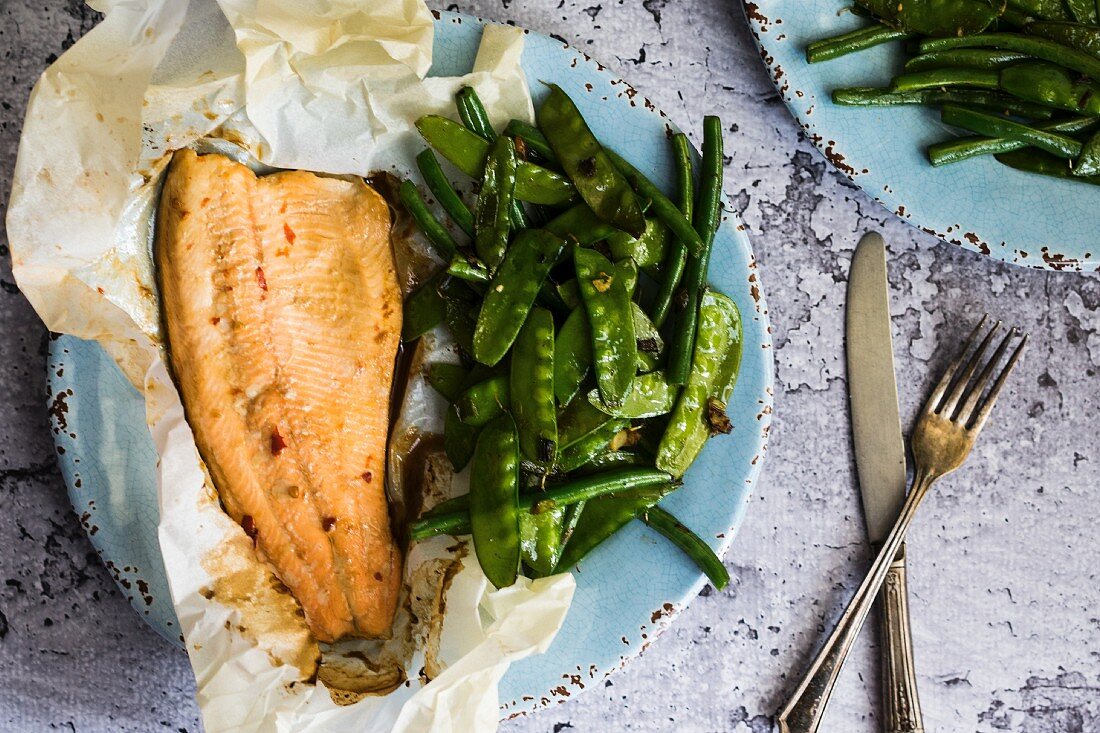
325 85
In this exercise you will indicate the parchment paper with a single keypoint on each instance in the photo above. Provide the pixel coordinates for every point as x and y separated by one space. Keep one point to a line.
325 85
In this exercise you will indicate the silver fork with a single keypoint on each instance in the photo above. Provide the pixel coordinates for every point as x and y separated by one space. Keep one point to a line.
945 432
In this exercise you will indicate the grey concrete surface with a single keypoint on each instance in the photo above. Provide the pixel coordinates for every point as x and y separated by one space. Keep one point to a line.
1002 557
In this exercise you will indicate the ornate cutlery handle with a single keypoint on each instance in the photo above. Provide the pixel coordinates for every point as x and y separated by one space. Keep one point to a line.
807 706
901 710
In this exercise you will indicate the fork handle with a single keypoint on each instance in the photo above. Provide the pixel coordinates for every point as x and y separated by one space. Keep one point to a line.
901 704
806 708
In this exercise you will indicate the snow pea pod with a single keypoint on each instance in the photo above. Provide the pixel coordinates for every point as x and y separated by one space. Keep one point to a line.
570 293
494 501
1081 37
577 420
1045 9
663 208
1050 84
1083 11
467 151
540 540
609 460
934 17
1041 48
468 268
597 180
572 355
483 401
580 224
1088 163
447 379
648 338
607 303
533 380
648 250
459 305
459 439
700 408
591 445
423 309
536 144
602 517
995 126
443 191
492 222
512 292
652 395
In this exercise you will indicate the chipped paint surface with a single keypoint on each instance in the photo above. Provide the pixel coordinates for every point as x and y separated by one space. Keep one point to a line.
1001 560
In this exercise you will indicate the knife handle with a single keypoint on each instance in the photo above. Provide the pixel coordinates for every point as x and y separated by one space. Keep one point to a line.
901 708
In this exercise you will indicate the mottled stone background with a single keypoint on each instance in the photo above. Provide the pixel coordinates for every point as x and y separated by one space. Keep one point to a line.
1002 558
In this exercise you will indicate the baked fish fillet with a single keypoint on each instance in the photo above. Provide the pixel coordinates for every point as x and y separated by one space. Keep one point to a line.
283 316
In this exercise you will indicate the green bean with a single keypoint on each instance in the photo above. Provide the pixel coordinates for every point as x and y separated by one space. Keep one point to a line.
447 379
597 180
591 445
607 303
647 251
995 126
572 355
692 545
677 252
611 459
468 151
876 97
1049 84
540 540
533 140
443 191
940 78
700 409
846 43
440 239
695 278
669 214
1041 48
967 58
494 501
483 401
648 338
652 395
602 517
569 523
512 292
636 483
533 380
492 224
953 151
423 309
1045 164
1080 37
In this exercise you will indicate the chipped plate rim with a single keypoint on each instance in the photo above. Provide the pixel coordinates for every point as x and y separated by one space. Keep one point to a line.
109 467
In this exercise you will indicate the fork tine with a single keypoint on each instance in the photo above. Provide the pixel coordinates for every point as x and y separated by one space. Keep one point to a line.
966 412
932 404
987 406
948 407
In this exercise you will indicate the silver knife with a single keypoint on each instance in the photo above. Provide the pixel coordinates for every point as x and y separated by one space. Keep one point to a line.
880 464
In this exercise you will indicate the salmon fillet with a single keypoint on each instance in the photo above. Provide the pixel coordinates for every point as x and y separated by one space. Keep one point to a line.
283 315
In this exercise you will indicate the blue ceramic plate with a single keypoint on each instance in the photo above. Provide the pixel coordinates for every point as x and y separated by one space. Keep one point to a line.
979 204
108 460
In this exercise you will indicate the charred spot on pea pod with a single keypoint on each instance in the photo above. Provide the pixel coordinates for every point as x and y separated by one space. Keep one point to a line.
587 166
681 299
603 282
717 419
521 147
546 449
648 345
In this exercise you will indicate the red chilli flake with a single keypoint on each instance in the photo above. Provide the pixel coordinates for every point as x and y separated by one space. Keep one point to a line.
261 279
328 523
290 235
277 442
368 476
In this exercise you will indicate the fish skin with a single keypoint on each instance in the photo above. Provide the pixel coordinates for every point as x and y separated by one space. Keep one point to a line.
283 315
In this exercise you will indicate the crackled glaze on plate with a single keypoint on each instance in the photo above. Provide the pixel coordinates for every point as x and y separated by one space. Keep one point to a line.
979 204
628 589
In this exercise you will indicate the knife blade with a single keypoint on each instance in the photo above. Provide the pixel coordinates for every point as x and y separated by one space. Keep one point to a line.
876 424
